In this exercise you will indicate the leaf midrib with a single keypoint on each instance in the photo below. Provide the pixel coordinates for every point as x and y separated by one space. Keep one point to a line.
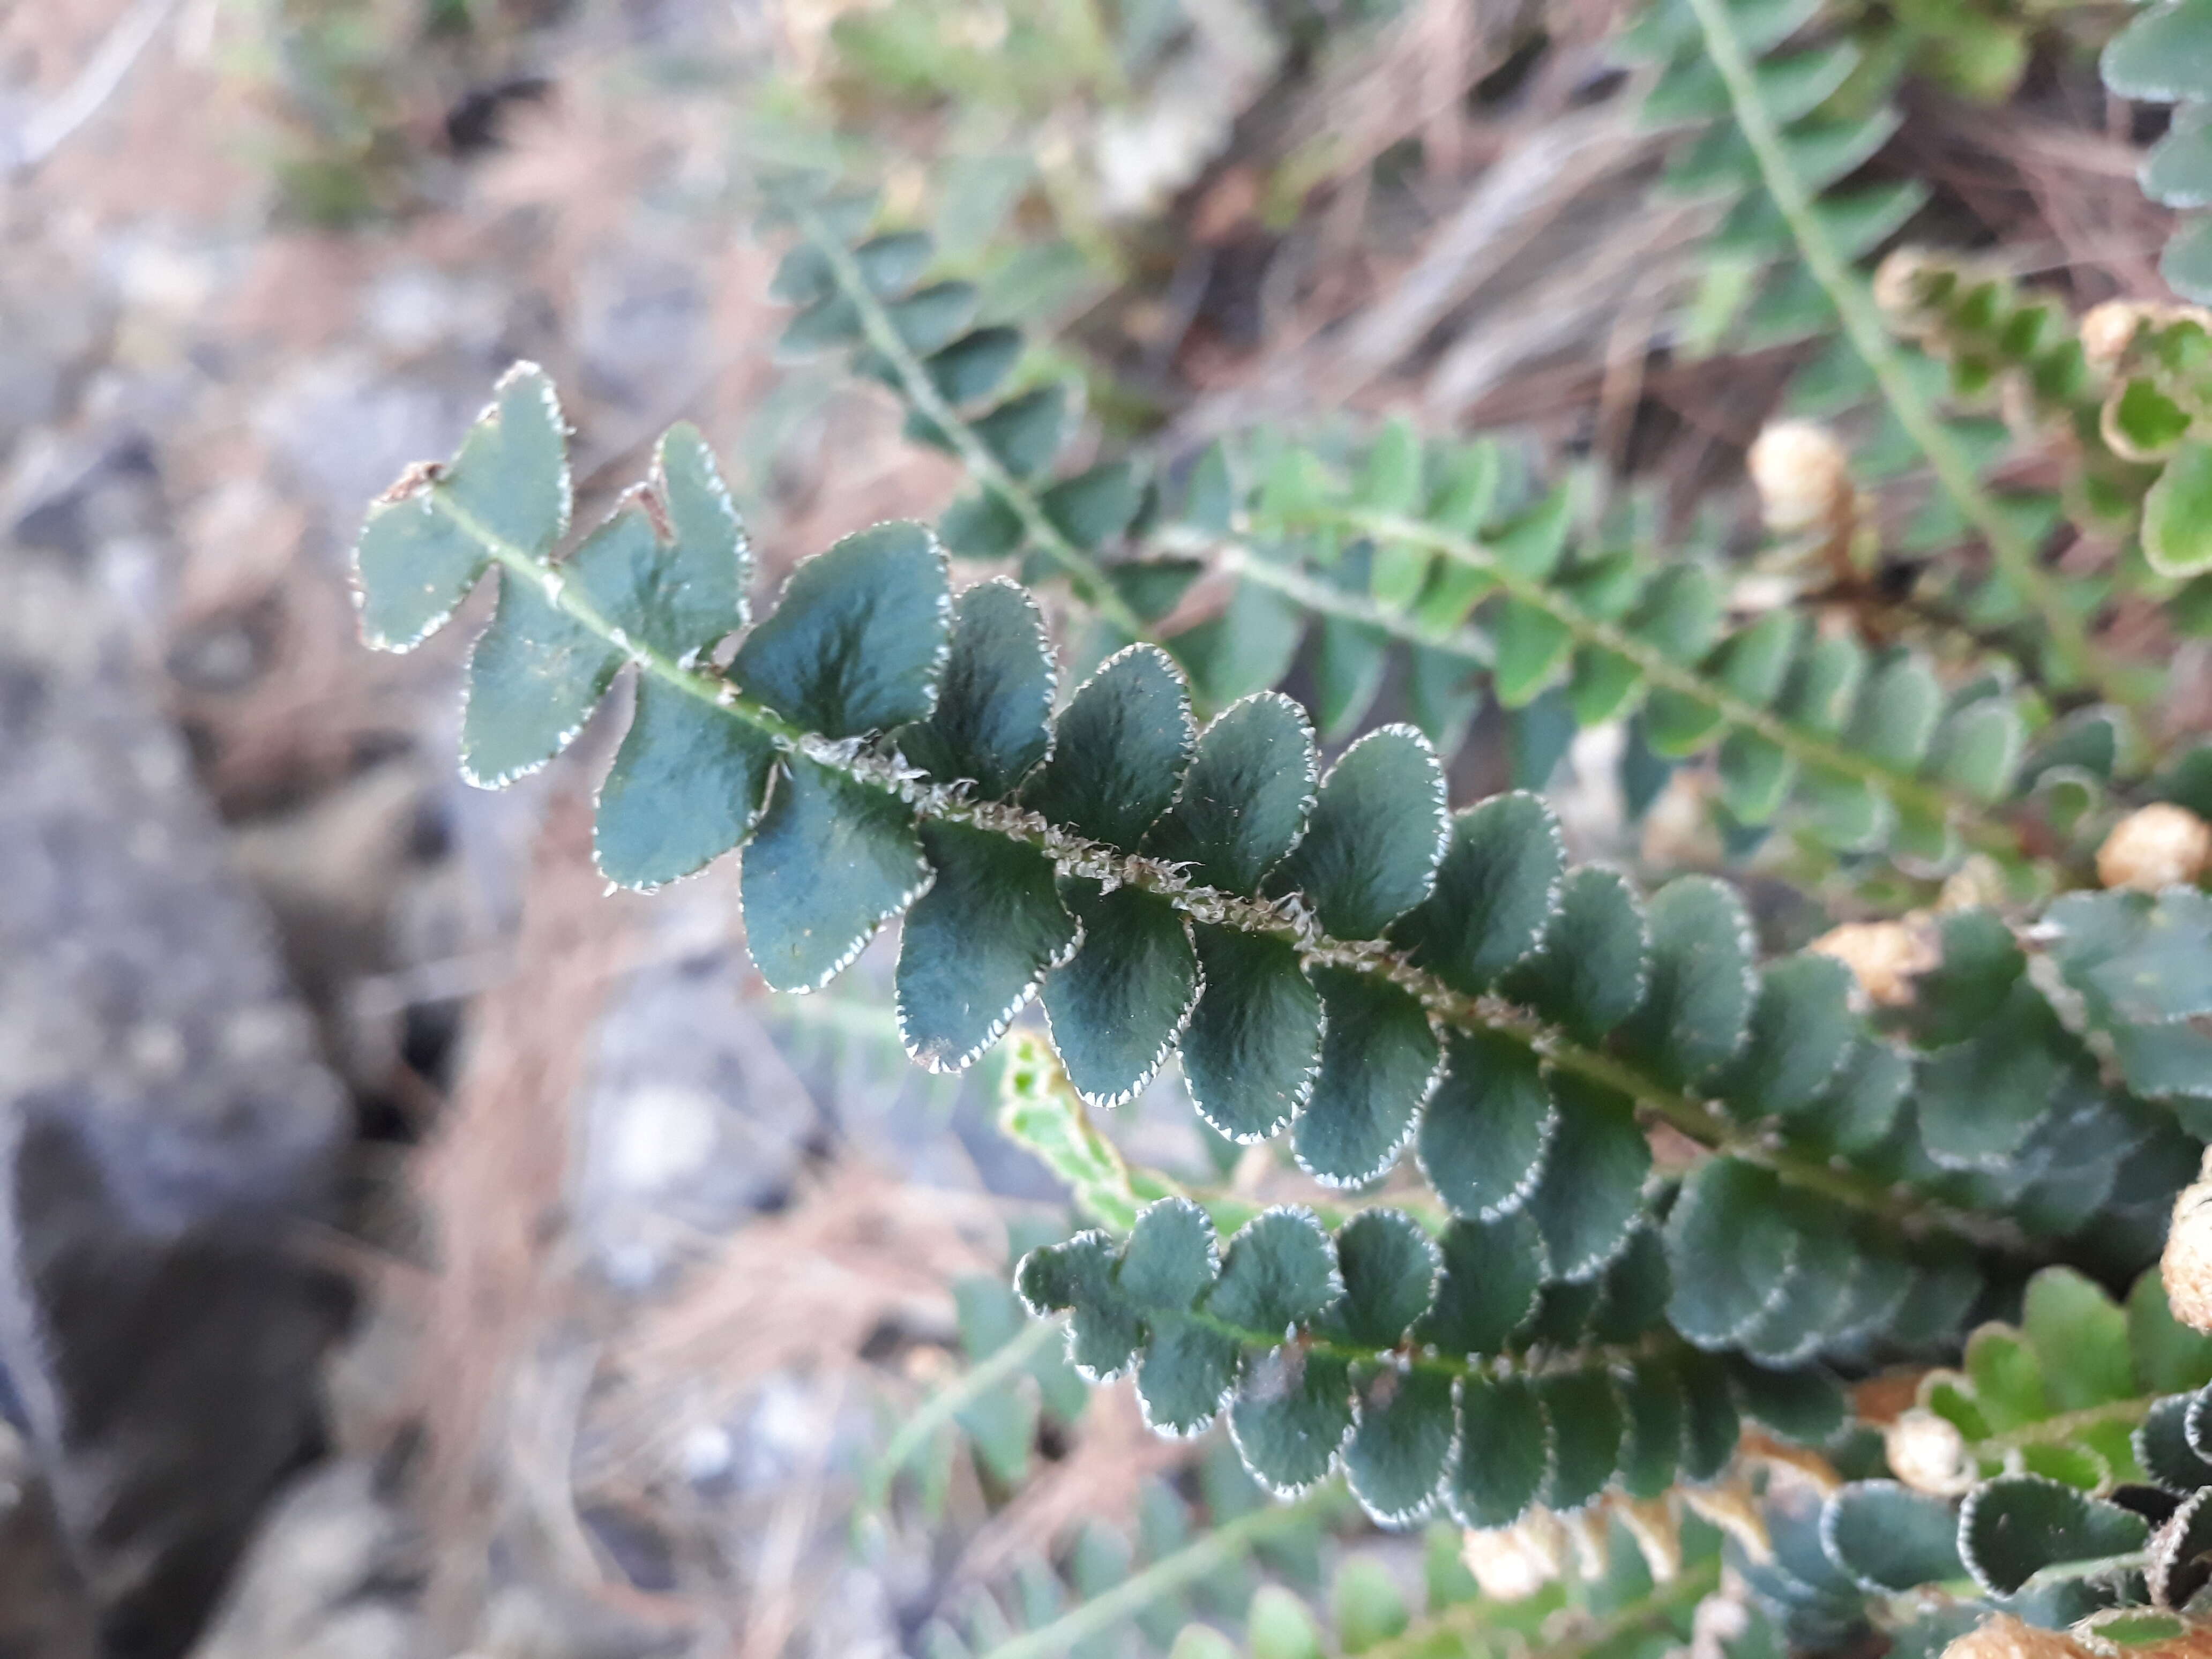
1698 1119
1532 1362
1807 747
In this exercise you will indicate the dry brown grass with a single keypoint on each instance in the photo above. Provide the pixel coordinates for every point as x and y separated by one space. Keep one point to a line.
1114 1456
802 1291
491 1181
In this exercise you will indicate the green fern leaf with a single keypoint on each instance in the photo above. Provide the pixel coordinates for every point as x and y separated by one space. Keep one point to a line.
1590 1193
1489 1127
1401 1438
1246 798
1120 1004
1504 1452
1376 835
1379 1064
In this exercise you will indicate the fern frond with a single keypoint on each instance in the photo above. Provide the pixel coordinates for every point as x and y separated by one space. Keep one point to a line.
2032 1480
1776 140
1343 959
1114 1599
1117 810
857 292
918 342
1357 1294
1365 1611
1368 1615
1452 1371
1861 748
2128 386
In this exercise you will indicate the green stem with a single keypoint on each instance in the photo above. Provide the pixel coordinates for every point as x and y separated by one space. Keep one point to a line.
2067 1425
1002 1363
1469 1619
1230 1210
1698 1118
1214 1549
1325 600
2016 557
921 391
1807 748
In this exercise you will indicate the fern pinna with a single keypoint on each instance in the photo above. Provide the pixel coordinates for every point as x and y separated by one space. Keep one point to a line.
1338 956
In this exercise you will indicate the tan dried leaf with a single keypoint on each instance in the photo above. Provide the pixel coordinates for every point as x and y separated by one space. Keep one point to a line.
2156 846
2003 1637
1783 1460
1802 475
1900 287
1927 1453
2108 330
2186 1265
1884 957
1731 1505
1656 1527
1513 1562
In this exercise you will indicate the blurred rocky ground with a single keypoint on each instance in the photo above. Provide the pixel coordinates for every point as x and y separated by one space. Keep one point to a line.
371 1181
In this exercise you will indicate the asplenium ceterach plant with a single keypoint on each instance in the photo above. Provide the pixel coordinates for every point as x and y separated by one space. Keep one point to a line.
1336 958
1862 1165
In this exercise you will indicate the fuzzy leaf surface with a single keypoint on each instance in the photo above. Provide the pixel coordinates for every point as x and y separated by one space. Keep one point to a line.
857 642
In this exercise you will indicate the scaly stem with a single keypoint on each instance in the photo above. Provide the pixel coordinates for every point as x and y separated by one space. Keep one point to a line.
1571 1363
2071 649
1699 1118
1090 579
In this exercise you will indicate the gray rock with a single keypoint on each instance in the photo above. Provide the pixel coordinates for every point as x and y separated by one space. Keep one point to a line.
692 1120
333 1575
640 328
165 1126
52 320
343 427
